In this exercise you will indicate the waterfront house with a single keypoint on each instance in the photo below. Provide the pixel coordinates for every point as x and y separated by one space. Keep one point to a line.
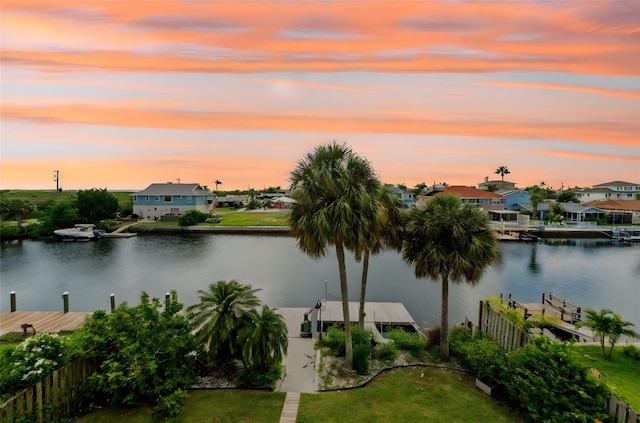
232 200
614 190
499 184
516 199
407 198
171 199
571 212
619 211
468 195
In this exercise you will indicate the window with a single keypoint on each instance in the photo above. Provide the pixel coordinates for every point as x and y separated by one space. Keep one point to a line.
168 199
157 198
135 198
189 200
179 197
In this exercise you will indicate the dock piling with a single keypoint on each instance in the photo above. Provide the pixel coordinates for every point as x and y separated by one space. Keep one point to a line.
65 301
113 301
13 301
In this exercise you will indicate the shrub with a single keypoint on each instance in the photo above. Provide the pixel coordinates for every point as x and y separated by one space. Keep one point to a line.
361 354
254 378
631 351
30 362
484 356
387 352
192 218
549 383
433 336
335 339
458 336
414 342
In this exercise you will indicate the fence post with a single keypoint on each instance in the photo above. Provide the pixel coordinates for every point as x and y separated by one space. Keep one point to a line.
65 301
13 301
113 301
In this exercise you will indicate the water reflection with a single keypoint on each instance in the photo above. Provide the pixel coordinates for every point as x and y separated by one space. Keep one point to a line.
591 273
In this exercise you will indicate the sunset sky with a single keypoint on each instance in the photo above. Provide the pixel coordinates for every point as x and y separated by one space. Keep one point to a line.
120 94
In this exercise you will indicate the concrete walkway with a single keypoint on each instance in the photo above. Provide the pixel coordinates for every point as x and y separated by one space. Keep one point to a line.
290 408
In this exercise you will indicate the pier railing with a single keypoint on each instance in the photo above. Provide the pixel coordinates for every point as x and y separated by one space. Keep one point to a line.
567 310
57 396
506 333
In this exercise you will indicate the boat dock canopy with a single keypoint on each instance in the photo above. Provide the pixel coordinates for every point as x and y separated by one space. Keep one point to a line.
380 313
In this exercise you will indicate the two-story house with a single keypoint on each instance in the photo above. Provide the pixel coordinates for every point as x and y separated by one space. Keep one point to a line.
499 185
614 190
158 200
469 195
407 198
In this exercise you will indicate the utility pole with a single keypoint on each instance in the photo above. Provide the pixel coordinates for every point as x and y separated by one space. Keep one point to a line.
56 177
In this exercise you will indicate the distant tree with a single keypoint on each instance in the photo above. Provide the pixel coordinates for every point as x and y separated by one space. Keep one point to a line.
218 182
419 188
192 218
502 170
536 196
567 196
95 205
61 215
16 209
607 324
492 188
555 214
449 241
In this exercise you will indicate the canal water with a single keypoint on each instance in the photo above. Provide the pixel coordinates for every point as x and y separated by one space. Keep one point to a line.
596 273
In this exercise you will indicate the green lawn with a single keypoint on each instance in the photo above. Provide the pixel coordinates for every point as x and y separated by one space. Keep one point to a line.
239 218
620 373
205 406
408 395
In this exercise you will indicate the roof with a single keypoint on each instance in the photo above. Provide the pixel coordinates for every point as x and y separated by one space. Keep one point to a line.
626 205
616 184
468 192
174 189
571 207
379 312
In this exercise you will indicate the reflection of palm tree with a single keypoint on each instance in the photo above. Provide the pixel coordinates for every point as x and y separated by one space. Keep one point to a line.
387 235
533 263
222 311
502 170
332 187
264 339
452 242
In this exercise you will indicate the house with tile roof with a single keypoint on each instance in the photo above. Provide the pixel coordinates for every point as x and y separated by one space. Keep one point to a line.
619 211
468 195
614 190
571 212
499 184
171 199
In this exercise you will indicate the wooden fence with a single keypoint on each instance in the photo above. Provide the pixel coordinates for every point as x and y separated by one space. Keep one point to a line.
507 334
510 337
57 396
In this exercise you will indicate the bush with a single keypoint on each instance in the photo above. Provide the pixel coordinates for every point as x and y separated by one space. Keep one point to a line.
414 342
192 218
361 353
255 379
433 336
484 356
30 362
549 383
458 336
335 339
631 351
387 352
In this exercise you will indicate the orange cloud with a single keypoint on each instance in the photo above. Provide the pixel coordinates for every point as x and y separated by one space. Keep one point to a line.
633 95
588 156
593 132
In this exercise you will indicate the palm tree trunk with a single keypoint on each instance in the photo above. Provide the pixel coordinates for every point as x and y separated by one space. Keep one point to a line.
363 288
444 320
602 351
344 289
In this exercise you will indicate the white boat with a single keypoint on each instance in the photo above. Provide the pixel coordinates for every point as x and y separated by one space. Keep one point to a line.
80 232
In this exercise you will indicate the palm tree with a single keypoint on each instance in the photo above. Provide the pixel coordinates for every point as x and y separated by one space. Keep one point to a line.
606 324
502 170
450 241
332 187
264 339
388 234
217 183
536 196
222 311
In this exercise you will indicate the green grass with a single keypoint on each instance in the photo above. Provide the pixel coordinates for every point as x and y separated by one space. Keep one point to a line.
205 406
254 219
620 373
408 395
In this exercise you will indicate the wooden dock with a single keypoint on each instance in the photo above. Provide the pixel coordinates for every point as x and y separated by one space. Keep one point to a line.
42 321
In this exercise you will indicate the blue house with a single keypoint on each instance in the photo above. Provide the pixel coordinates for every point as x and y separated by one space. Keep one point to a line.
159 200
516 199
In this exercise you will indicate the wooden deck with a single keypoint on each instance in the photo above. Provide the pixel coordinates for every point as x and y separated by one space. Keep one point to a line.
42 321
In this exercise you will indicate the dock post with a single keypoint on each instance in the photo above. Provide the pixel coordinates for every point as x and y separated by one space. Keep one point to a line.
113 301
543 298
65 301
13 301
167 296
480 315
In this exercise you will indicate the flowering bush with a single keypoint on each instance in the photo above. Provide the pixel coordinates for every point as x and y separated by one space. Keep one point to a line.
30 362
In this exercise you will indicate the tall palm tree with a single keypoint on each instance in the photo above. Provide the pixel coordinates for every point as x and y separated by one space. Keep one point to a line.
502 170
606 324
264 339
536 196
450 241
387 234
217 183
222 311
332 187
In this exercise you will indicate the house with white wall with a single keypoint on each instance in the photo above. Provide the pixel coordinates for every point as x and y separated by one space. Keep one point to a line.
614 190
468 195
